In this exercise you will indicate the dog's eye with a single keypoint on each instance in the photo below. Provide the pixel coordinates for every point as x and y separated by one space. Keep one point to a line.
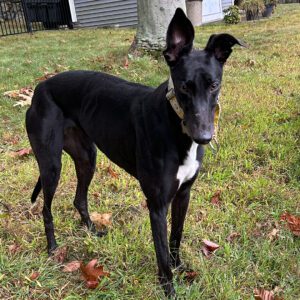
214 86
184 87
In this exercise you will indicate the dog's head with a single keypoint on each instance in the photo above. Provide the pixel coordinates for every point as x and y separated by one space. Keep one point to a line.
196 75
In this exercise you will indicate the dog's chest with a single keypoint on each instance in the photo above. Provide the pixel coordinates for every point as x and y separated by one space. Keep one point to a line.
190 165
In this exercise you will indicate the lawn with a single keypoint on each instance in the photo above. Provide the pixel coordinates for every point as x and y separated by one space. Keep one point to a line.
256 170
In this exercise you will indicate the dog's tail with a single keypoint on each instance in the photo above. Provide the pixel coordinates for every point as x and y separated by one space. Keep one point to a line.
36 190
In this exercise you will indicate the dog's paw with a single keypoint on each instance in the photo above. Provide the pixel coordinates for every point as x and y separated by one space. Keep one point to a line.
102 233
51 249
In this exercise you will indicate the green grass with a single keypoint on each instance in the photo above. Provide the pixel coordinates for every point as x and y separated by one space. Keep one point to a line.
257 170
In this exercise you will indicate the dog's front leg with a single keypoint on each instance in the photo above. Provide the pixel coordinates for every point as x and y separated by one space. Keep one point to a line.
159 231
179 209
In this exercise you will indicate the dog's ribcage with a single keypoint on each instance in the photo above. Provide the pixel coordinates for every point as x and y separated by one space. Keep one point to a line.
190 165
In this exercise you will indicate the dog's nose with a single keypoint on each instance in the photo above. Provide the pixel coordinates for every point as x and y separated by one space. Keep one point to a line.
203 139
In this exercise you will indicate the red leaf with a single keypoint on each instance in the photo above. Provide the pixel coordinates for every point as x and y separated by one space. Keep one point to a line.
293 223
21 153
215 199
209 247
71 266
111 172
126 63
91 273
34 276
190 276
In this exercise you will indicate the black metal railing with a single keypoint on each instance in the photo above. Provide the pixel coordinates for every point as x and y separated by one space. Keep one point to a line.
20 16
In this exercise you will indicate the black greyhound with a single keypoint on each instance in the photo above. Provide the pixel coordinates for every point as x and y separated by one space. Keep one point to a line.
156 135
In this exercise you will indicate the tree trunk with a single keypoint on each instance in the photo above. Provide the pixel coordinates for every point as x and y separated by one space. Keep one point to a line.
154 17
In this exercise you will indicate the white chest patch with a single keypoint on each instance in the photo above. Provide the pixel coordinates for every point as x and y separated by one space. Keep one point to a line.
190 165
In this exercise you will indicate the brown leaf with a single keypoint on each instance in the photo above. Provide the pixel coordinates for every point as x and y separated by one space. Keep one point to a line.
92 273
101 220
96 195
14 248
190 276
92 284
24 95
12 94
34 276
21 152
209 248
293 223
111 172
46 76
71 266
144 204
273 235
215 199
126 63
232 236
60 254
262 294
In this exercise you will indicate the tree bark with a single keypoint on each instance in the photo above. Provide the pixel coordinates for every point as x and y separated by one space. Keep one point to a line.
154 17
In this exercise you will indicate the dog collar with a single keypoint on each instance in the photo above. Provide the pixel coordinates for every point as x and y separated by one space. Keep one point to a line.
171 97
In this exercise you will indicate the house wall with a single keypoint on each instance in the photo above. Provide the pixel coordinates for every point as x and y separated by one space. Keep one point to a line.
123 13
91 13
227 3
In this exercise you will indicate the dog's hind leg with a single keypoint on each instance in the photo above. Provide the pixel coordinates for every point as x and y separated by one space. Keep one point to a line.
83 153
45 131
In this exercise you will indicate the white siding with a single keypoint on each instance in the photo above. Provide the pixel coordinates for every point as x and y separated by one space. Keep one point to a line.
94 13
227 3
102 13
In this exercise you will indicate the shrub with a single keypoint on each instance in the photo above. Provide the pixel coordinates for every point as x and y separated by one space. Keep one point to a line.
232 15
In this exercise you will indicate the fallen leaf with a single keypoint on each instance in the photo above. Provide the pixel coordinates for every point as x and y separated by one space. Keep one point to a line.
144 204
14 248
262 294
278 91
111 172
71 266
92 273
34 276
293 223
46 76
232 236
96 195
190 276
273 235
209 248
60 254
21 152
126 63
24 95
12 94
215 199
101 220
92 284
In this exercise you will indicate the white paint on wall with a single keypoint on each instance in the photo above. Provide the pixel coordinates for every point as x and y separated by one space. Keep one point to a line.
73 11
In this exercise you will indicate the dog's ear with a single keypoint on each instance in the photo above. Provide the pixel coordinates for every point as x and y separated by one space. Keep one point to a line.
180 37
220 45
